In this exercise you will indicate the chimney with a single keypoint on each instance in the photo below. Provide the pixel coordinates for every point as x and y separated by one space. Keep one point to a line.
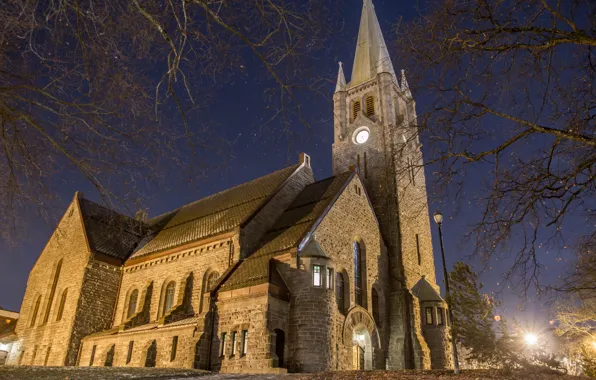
304 159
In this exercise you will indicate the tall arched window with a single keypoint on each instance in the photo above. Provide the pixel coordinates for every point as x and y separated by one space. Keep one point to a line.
35 311
339 292
375 307
169 297
52 292
213 276
370 105
62 303
357 273
132 303
355 109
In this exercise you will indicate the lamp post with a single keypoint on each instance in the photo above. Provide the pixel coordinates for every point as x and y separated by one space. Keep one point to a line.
439 220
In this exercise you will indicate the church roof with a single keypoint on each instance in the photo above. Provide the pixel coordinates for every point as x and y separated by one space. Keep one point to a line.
214 214
371 56
288 231
425 291
109 232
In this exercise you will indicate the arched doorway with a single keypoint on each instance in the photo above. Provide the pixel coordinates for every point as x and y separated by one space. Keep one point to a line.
196 364
280 342
362 350
151 355
360 333
110 357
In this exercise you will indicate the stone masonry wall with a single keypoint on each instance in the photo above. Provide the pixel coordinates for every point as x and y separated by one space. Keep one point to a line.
185 348
201 260
50 342
96 303
352 219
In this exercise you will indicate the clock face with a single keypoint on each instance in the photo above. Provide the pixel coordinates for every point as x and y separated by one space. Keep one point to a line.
362 136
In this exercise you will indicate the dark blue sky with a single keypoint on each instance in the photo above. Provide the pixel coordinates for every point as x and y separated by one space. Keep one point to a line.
237 115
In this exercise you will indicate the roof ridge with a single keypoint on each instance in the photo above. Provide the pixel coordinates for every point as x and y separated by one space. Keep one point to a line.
222 191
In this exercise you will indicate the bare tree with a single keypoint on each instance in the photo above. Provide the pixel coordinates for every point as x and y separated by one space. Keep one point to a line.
104 88
510 88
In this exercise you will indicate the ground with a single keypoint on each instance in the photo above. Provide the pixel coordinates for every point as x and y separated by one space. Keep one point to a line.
86 373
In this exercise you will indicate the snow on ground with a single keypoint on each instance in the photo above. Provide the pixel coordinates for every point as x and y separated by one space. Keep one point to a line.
95 373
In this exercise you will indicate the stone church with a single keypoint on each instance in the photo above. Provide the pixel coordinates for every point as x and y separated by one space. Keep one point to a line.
282 273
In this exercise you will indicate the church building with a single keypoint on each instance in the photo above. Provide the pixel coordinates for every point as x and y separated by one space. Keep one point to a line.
282 273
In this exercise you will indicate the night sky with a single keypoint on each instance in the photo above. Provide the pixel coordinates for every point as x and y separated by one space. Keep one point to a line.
236 115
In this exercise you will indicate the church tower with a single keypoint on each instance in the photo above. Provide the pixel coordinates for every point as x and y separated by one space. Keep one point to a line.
375 131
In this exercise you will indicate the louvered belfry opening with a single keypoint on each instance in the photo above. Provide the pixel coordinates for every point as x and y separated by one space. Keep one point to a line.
355 109
370 105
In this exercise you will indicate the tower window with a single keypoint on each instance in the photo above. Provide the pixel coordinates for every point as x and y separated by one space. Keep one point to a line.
356 109
358 273
418 250
429 316
317 275
329 278
370 105
244 341
440 316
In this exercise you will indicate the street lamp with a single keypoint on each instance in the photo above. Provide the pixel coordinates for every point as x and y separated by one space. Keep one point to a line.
531 339
439 220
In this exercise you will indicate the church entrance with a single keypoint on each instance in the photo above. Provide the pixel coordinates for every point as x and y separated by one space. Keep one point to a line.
280 341
361 349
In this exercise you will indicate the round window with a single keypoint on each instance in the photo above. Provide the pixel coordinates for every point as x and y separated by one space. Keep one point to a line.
361 135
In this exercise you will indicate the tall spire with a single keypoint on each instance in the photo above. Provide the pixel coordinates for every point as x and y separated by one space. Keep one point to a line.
372 56
341 79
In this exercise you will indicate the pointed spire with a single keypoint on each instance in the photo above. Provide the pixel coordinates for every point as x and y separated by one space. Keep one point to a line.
341 79
404 87
372 56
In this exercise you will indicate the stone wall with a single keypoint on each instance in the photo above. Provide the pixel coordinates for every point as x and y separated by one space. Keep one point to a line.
51 341
142 340
96 304
201 260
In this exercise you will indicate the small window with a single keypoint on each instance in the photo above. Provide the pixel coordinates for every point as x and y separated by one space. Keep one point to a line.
222 349
355 109
440 316
429 316
317 275
418 249
174 348
169 302
132 303
329 278
129 354
244 342
62 303
35 311
339 292
92 355
370 106
233 343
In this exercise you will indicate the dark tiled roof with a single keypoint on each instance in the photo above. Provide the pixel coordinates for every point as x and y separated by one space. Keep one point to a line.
287 232
215 214
425 291
109 232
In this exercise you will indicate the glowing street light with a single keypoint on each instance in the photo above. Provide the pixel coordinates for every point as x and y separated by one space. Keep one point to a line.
594 344
531 339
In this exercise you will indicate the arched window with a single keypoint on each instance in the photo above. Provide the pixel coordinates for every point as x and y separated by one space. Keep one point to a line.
213 276
132 303
355 109
375 307
52 292
35 311
62 303
370 105
169 297
357 273
339 293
